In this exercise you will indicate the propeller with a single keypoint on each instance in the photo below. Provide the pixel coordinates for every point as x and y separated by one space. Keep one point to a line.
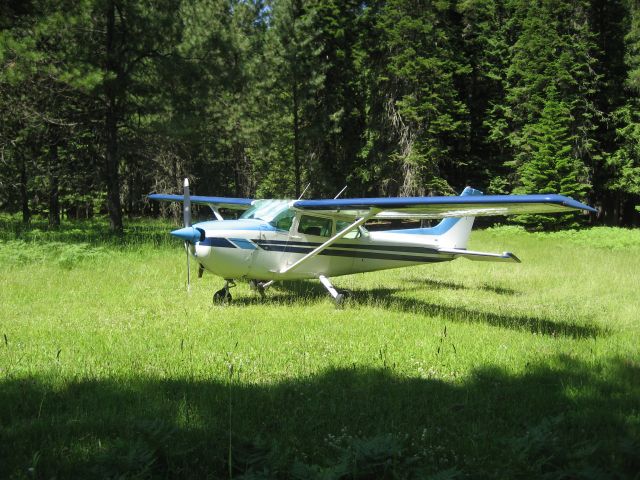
186 219
186 209
189 234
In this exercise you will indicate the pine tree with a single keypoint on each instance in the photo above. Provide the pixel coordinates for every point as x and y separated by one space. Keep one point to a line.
46 90
290 89
552 60
549 165
484 43
624 163
422 106
337 115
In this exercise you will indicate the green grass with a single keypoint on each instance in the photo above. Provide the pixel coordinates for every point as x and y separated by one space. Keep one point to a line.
108 368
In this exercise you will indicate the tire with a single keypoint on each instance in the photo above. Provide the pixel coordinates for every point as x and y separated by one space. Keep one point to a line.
222 297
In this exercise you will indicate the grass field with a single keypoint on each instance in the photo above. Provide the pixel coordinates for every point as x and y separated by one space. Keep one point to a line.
108 368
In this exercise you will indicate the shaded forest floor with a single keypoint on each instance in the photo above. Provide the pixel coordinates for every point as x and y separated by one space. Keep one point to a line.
109 368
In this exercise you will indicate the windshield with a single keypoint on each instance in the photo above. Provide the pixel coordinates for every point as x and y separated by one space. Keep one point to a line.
265 209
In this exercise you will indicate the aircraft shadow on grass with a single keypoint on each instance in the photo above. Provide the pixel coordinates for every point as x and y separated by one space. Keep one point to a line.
445 285
291 292
559 419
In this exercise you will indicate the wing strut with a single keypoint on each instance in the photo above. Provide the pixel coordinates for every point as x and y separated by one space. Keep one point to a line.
332 240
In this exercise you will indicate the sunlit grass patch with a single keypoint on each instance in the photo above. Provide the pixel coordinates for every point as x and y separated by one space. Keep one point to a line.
109 367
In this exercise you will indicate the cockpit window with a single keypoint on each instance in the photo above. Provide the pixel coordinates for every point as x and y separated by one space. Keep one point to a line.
265 209
250 212
355 233
315 226
284 220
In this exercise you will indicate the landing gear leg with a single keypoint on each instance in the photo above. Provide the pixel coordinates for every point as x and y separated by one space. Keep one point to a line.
337 297
223 296
260 287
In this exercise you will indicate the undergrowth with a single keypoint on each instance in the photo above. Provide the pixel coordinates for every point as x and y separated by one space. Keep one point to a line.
66 255
611 238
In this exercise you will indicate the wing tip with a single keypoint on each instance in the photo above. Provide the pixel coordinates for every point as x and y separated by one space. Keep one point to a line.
572 203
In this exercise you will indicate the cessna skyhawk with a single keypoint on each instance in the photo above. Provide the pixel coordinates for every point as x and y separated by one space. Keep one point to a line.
278 240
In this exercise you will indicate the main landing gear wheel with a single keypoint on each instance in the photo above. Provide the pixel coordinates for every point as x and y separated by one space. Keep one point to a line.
223 296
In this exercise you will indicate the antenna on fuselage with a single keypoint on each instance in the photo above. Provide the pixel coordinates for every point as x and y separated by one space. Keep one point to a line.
303 192
340 192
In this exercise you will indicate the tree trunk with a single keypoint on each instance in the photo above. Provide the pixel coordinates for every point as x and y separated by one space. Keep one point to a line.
130 191
24 197
111 127
54 191
113 179
296 140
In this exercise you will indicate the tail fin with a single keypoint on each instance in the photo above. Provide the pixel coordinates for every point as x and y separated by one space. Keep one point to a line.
451 232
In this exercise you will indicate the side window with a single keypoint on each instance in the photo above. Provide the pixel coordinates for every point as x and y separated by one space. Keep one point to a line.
284 220
340 225
315 226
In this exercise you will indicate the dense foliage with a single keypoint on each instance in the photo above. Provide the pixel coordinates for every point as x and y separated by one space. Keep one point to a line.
103 101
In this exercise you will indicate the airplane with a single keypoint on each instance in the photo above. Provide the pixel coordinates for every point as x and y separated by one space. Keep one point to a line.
278 240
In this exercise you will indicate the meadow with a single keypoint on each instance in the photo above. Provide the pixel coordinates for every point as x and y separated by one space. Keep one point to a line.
110 369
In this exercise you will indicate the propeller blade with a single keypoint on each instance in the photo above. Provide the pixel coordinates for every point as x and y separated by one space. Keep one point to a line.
186 249
186 209
188 233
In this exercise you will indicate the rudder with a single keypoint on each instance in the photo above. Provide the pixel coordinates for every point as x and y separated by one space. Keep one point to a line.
451 232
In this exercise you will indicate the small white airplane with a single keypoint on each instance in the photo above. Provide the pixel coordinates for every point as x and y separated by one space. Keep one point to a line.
277 240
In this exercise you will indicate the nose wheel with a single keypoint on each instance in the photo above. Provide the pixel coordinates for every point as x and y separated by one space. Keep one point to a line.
223 296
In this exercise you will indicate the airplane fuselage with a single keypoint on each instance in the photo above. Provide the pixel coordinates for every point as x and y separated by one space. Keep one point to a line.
256 249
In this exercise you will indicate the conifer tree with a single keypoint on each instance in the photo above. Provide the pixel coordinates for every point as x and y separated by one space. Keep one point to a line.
422 104
624 163
549 165
103 101
484 44
337 115
290 90
552 59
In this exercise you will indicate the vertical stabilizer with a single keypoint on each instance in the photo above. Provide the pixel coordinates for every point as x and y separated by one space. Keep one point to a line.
450 232
457 230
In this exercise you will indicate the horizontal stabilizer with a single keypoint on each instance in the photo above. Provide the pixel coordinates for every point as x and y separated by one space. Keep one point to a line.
481 256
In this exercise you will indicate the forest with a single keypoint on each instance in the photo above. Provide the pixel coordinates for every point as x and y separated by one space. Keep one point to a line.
105 101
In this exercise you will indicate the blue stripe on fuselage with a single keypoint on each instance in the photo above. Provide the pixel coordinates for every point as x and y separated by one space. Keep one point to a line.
267 244
217 242
385 252
355 254
244 243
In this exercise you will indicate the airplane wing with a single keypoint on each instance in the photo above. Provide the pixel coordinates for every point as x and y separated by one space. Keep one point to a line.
214 202
441 207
